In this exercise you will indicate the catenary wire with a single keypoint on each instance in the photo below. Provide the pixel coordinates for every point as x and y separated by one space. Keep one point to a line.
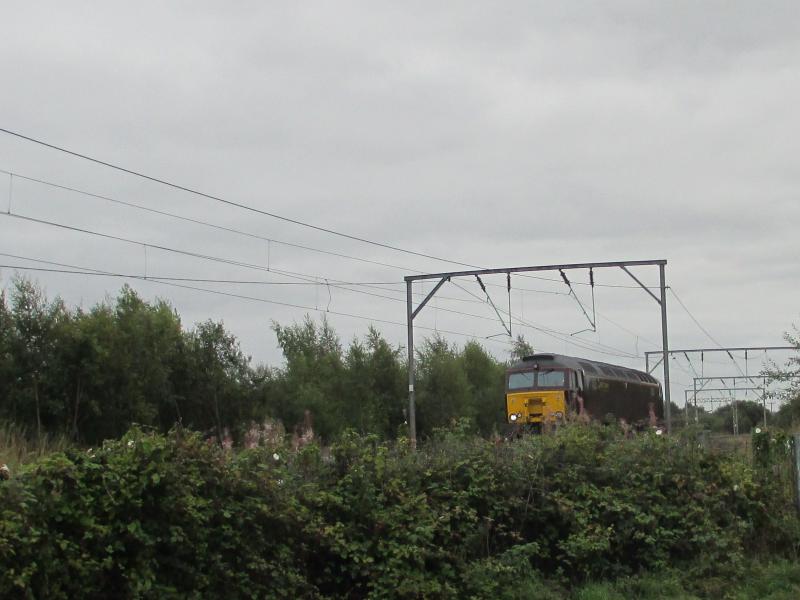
258 210
240 205
583 344
553 333
241 232
81 271
90 271
561 336
703 329
231 202
251 235
163 278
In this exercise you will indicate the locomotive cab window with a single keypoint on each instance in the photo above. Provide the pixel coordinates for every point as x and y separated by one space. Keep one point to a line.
550 378
520 381
545 378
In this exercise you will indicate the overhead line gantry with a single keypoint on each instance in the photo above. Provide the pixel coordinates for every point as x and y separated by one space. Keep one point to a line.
702 351
444 277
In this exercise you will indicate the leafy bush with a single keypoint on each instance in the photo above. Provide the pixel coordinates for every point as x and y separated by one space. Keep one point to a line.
172 516
149 516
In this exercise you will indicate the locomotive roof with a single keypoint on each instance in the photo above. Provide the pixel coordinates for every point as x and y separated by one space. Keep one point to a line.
590 367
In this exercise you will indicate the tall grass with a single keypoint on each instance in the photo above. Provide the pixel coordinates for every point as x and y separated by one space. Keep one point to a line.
19 446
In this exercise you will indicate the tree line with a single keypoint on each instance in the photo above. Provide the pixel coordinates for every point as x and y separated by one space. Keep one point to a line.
90 374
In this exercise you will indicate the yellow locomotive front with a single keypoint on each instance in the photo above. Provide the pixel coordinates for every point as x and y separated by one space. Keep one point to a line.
535 396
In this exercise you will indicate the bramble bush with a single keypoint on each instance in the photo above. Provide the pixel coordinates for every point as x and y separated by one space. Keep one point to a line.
461 517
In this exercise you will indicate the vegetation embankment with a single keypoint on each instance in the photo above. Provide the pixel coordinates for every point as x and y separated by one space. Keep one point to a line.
545 517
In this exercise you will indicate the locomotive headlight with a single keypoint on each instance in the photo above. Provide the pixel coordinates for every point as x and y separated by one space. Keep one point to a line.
513 417
559 415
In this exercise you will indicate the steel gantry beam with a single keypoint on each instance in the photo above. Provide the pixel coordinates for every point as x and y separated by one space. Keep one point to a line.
702 351
444 277
733 390
753 380
732 402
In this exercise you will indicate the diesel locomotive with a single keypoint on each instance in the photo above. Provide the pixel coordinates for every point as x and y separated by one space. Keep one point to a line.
545 389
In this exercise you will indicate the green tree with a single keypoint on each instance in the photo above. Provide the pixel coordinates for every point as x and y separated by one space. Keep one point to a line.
7 362
136 345
788 415
486 382
443 390
520 349
31 340
388 379
217 394
375 391
313 378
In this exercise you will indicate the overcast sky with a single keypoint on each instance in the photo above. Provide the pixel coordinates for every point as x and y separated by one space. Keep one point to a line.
492 134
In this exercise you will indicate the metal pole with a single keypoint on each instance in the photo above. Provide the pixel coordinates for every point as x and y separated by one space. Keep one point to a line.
665 348
412 418
696 418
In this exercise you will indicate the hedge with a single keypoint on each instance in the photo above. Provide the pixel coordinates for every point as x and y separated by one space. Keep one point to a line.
153 516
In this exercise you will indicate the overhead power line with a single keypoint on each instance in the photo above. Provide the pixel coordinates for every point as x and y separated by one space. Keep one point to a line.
692 317
71 270
248 207
308 278
235 231
602 349
172 215
252 208
231 202
268 240
560 335
703 329
88 271
161 277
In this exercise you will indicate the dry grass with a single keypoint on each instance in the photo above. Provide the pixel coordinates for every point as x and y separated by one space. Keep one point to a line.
726 442
18 446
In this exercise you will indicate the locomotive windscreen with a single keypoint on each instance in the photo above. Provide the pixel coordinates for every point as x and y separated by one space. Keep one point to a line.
546 378
520 381
550 378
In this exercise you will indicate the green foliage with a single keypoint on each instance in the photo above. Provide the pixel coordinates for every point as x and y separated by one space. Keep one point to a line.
545 517
779 580
486 379
788 415
149 516
364 386
520 349
443 389
771 448
90 375
749 415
